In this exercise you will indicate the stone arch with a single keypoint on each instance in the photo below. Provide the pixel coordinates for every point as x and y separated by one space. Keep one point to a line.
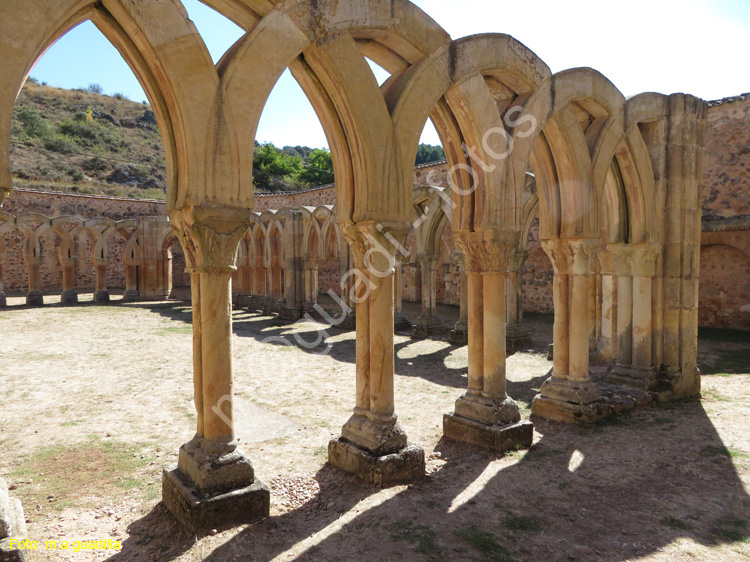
175 80
468 87
352 111
67 253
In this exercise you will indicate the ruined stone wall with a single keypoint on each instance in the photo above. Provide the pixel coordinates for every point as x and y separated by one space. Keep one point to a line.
329 276
310 198
726 180
537 275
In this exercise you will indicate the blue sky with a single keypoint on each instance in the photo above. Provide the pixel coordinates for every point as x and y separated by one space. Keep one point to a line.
695 46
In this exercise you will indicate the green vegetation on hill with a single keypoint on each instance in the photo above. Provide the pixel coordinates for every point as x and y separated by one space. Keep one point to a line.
82 141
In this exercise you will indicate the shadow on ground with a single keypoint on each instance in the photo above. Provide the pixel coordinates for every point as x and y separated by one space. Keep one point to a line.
610 491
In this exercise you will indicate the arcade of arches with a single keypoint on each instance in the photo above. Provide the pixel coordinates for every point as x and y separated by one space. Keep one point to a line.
615 180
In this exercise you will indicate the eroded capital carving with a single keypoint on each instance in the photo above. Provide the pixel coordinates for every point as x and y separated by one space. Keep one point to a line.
637 260
377 247
488 250
581 253
210 235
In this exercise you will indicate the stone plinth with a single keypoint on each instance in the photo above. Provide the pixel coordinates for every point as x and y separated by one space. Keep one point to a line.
426 326
517 337
3 300
34 298
101 297
69 297
459 336
401 467
568 400
12 526
206 491
644 378
496 438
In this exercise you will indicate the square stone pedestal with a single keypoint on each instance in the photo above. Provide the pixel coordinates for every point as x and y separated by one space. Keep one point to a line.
101 297
402 467
198 512
458 337
568 412
496 438
34 298
636 377
69 297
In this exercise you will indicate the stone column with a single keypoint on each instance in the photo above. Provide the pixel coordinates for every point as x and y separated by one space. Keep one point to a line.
373 445
428 322
67 257
569 394
3 299
606 345
516 333
399 320
32 255
459 333
635 265
485 415
294 292
214 481
311 285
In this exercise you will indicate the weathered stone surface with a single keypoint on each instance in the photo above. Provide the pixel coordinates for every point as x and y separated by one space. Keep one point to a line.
12 526
401 467
496 438
199 512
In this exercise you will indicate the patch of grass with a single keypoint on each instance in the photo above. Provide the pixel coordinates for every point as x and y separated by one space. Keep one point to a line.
422 537
731 528
485 543
714 395
676 523
525 523
71 423
712 451
177 330
77 474
321 451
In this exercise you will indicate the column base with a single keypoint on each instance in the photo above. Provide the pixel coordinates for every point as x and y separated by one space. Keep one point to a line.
644 378
517 337
291 313
210 490
199 512
497 438
349 322
459 336
3 300
101 296
569 400
34 298
402 467
256 303
488 411
426 326
69 297
272 306
400 322
132 295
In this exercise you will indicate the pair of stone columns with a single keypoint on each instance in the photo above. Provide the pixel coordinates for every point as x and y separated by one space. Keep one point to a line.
569 394
485 415
428 322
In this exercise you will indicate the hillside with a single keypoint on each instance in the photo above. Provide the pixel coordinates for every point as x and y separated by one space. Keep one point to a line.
85 142
82 141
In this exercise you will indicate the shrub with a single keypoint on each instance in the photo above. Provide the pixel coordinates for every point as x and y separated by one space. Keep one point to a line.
95 89
60 143
34 125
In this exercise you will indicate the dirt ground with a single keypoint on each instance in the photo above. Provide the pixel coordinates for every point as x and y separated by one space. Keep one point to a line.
97 399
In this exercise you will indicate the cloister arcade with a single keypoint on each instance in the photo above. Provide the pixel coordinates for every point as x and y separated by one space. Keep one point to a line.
616 182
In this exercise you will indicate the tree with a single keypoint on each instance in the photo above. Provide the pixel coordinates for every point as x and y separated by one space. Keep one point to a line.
319 169
428 153
271 168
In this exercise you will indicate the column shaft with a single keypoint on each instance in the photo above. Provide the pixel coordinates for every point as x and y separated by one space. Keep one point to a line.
476 331
216 351
624 319
579 329
641 355
560 327
494 335
381 347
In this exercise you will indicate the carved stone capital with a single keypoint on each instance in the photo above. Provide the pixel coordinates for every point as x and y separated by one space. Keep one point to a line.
606 265
556 250
210 235
428 261
517 260
487 250
376 246
581 253
637 260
